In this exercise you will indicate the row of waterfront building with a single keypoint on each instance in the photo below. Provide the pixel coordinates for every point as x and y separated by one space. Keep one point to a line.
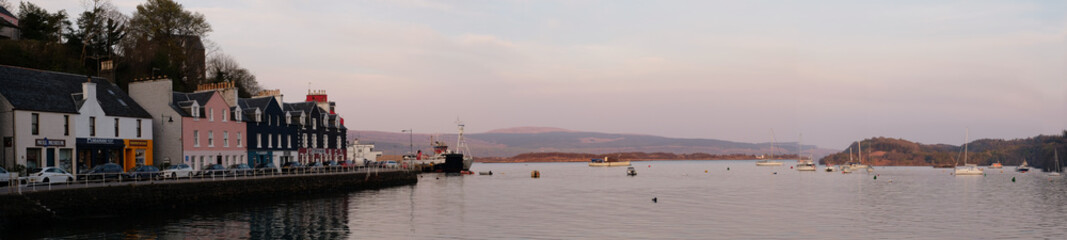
75 122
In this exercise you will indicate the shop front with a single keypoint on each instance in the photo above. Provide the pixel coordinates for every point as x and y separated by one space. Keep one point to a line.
97 151
257 157
137 152
49 153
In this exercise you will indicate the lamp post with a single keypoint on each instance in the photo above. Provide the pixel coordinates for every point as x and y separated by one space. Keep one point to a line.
411 142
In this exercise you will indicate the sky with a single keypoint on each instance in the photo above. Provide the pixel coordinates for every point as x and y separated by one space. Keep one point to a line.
834 71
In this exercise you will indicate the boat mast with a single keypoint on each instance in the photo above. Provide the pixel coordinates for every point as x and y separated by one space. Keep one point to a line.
966 139
772 145
859 153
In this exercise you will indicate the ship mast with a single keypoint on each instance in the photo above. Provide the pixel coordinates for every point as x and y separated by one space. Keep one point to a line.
460 143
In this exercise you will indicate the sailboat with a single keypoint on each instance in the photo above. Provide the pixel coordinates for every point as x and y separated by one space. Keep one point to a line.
1055 172
968 168
1023 168
847 167
803 164
767 162
854 166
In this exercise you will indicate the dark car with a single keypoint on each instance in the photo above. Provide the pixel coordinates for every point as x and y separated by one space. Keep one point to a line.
215 170
240 170
315 167
292 167
331 164
143 172
103 171
266 168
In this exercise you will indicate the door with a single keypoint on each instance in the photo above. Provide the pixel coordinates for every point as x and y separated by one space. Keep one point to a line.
218 159
50 157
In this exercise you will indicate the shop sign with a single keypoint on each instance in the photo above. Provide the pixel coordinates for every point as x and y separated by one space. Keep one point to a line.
138 143
99 141
45 142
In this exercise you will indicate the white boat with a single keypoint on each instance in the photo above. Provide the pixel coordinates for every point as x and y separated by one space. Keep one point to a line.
767 162
1023 168
830 168
630 171
967 169
1055 171
857 166
803 164
596 162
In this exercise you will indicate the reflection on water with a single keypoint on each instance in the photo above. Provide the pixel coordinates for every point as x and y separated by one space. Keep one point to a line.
571 200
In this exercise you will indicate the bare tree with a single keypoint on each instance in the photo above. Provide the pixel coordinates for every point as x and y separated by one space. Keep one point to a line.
223 68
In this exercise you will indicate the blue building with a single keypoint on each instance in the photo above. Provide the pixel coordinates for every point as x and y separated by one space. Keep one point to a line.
272 134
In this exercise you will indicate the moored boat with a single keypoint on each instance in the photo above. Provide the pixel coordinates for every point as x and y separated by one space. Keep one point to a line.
596 162
1023 167
630 171
996 165
967 169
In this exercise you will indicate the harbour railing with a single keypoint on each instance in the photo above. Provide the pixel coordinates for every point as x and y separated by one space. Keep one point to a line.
55 182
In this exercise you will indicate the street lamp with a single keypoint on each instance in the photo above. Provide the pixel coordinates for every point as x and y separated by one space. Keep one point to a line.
411 142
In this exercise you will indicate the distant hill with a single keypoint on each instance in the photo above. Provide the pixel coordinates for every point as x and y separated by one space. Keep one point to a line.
515 141
1037 151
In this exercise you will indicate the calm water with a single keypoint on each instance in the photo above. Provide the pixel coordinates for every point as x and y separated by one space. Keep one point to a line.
573 201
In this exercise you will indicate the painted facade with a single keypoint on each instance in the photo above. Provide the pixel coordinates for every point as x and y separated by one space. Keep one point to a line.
210 133
120 137
322 134
272 135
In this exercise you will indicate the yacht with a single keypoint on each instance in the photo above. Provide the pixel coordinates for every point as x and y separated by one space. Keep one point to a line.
767 162
804 164
1055 170
967 169
1023 168
829 168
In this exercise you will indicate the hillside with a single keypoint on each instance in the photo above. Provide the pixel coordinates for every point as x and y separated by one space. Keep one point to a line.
882 151
630 156
515 141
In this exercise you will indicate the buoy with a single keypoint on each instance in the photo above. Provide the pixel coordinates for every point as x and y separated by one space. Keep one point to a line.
705 171
1012 179
875 177
650 165
727 168
654 200
790 167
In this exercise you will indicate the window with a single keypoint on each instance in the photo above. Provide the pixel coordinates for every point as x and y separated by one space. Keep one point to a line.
259 140
92 126
288 118
305 140
210 138
314 124
237 115
211 114
289 144
116 127
66 125
269 120
138 127
269 142
224 118
279 141
35 124
238 139
325 141
196 111
225 139
196 139
314 141
340 144
259 116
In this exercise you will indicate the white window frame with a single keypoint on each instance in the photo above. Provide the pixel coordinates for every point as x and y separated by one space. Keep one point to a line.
225 138
259 140
210 138
239 139
196 138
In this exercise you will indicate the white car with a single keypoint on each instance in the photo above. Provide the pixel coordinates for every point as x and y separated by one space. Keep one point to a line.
48 175
6 176
179 171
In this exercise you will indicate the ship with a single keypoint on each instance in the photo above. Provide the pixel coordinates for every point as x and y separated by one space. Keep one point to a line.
443 159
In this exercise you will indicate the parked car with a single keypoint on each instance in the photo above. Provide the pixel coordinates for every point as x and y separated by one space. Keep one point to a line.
144 172
389 164
266 168
103 171
177 171
315 167
215 170
48 175
348 163
240 170
292 167
6 176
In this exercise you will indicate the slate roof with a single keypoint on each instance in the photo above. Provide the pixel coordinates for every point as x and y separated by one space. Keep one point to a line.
5 12
182 100
46 91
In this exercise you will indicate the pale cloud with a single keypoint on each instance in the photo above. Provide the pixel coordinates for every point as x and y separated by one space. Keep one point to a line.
835 70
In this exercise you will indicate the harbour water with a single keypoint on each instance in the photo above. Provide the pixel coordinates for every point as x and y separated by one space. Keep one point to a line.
574 201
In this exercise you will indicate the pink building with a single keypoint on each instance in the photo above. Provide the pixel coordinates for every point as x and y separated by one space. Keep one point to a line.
212 131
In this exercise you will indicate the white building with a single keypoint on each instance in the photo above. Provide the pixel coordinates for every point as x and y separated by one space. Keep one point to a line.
111 128
362 153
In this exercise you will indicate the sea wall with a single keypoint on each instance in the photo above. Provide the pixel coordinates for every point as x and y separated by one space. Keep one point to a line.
45 207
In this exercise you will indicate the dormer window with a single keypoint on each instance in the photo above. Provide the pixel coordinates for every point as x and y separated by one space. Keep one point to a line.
237 115
259 116
196 111
288 119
